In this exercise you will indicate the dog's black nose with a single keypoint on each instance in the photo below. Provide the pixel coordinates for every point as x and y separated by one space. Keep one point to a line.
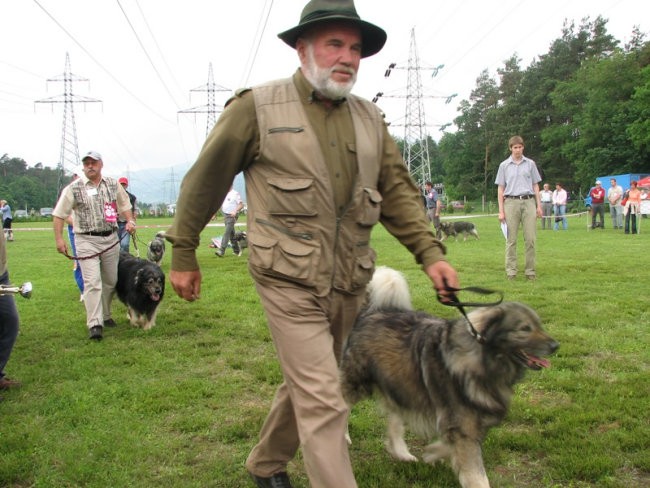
554 346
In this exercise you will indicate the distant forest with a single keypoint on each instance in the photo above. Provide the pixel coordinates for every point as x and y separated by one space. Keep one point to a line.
583 109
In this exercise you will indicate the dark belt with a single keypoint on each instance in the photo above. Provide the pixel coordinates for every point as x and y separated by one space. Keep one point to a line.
520 197
106 233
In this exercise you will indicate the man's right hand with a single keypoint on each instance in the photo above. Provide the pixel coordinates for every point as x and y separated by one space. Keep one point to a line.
186 284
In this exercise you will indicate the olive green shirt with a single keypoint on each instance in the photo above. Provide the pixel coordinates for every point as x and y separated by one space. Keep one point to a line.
233 145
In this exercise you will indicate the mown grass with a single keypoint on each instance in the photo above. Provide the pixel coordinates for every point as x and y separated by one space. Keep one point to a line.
181 405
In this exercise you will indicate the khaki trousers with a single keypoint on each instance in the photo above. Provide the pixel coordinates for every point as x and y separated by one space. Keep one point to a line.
524 213
99 274
308 410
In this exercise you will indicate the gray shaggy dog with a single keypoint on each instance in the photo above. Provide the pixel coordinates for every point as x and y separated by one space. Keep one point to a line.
432 374
454 229
156 248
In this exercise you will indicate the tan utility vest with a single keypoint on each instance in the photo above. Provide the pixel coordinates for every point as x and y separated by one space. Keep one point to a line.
294 235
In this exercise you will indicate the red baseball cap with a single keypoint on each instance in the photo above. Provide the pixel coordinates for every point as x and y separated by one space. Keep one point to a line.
123 181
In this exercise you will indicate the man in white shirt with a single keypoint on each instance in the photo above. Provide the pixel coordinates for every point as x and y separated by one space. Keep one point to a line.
231 207
615 196
546 197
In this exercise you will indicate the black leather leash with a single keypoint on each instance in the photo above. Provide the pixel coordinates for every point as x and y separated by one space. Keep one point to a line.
451 300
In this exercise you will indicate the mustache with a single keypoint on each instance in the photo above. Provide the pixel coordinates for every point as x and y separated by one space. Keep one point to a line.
343 69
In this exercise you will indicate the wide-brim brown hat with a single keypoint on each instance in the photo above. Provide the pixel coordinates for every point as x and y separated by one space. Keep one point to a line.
317 12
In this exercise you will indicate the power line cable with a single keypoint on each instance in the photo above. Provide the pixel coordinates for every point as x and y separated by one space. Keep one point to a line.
160 51
110 75
146 53
259 34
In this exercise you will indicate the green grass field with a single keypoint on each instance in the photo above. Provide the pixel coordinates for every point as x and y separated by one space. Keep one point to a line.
182 404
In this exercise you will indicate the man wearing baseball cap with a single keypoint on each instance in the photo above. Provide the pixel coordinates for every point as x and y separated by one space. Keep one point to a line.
122 234
597 195
321 170
94 201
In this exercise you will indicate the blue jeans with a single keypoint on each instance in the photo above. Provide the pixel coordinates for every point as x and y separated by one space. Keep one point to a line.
560 212
9 322
77 269
123 236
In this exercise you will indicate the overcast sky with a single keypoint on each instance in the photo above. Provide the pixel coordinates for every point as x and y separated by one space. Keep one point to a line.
142 58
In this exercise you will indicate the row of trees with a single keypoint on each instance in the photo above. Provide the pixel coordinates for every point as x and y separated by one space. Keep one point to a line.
27 187
583 109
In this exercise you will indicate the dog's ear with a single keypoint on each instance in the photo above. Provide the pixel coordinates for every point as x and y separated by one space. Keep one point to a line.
138 275
487 319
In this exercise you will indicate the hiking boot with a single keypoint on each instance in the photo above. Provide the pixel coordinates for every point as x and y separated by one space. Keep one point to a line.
96 332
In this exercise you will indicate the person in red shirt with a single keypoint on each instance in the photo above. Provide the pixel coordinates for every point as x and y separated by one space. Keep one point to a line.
597 195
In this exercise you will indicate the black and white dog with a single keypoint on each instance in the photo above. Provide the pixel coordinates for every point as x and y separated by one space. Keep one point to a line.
156 248
141 287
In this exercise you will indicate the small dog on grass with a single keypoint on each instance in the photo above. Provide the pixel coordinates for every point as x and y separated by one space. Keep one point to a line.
241 239
156 248
141 287
448 229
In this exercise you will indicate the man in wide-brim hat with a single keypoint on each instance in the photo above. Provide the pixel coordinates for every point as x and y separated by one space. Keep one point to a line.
318 12
321 170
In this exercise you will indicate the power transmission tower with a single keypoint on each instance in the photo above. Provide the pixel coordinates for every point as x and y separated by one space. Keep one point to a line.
211 107
416 142
171 196
69 155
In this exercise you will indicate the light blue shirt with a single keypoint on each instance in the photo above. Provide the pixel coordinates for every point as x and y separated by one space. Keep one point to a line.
6 212
518 179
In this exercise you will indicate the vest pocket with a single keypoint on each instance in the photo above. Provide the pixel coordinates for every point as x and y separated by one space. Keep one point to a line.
371 210
295 260
363 270
292 197
292 260
261 250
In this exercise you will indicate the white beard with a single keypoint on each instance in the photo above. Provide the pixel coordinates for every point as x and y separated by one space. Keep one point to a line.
322 80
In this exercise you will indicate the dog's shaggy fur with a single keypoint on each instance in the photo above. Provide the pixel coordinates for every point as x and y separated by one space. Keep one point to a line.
453 229
434 375
240 238
141 287
156 248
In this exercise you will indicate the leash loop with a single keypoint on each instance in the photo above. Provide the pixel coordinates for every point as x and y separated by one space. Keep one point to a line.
451 300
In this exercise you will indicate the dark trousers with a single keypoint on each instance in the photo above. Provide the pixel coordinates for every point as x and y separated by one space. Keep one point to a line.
9 322
630 216
228 235
598 209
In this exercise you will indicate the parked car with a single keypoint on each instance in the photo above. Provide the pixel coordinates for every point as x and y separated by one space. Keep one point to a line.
20 214
46 211
457 204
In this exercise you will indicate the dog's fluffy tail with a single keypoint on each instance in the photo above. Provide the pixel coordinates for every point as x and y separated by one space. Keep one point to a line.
388 290
161 234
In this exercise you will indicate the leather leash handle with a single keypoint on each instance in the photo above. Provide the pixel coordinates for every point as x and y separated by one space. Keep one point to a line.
453 301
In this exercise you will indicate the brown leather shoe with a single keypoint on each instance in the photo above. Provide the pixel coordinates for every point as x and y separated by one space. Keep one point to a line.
6 383
278 480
